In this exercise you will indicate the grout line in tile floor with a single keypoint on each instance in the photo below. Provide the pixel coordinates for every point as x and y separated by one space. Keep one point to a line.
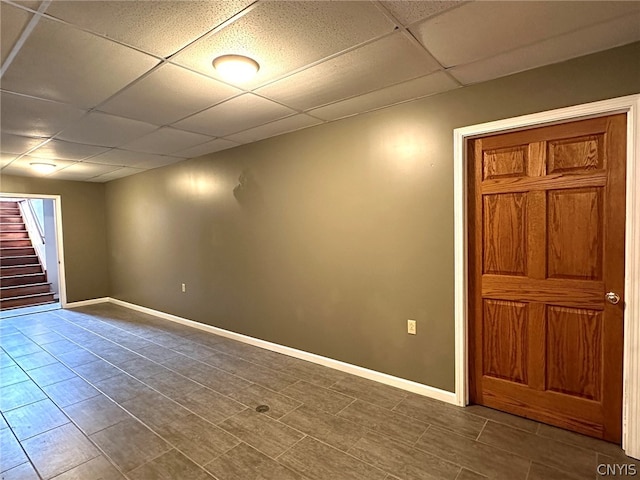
482 430
529 469
346 406
293 445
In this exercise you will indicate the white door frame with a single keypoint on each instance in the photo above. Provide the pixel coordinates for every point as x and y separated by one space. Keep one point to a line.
631 106
57 202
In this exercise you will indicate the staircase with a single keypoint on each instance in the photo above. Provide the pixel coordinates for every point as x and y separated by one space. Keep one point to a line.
23 281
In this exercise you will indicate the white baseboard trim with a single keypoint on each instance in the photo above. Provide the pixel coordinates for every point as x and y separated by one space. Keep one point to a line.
408 385
84 303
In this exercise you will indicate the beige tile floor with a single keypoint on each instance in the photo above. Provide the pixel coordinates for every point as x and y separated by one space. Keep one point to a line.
104 392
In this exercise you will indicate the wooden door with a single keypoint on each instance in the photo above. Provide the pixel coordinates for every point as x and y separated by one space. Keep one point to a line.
546 243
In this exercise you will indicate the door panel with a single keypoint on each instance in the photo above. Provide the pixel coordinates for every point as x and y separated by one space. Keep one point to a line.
505 336
575 248
546 242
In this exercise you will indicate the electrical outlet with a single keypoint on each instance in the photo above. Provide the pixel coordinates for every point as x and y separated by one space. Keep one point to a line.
411 327
184 287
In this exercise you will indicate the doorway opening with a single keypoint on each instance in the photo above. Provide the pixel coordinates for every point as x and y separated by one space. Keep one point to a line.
31 259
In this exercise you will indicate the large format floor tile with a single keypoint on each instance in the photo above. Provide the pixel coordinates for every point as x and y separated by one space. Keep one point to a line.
103 392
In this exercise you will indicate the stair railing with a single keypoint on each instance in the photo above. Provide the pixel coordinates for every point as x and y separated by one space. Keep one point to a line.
35 229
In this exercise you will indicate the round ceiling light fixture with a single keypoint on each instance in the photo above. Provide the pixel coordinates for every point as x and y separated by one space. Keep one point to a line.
42 167
236 68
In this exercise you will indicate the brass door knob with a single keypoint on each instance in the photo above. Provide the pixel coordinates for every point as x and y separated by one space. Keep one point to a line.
612 298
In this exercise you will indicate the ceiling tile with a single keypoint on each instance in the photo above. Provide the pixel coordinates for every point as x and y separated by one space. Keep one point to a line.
32 4
166 140
161 28
480 30
168 94
210 147
284 36
6 159
411 12
29 116
82 171
354 73
120 173
22 167
12 23
589 40
59 149
16 144
106 130
289 124
419 87
126 158
62 63
240 113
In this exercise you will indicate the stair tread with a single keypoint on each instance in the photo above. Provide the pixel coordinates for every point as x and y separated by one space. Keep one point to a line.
38 284
29 295
36 264
30 305
4 277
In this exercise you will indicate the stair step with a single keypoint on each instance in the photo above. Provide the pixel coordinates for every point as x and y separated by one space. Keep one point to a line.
22 279
26 300
18 259
12 227
9 204
9 211
13 235
11 219
16 252
22 290
17 242
11 270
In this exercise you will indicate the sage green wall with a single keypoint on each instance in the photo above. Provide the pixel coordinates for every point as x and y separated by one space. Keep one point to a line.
83 229
341 233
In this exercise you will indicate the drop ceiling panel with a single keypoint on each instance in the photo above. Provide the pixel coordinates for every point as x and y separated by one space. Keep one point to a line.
16 144
82 171
5 159
59 149
420 87
411 12
34 117
120 173
598 37
166 140
22 167
289 124
354 73
32 4
62 63
210 147
12 21
480 30
161 28
168 94
126 158
284 36
240 113
105 130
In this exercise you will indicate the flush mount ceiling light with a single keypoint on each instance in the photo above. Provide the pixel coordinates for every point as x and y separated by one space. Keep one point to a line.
236 68
42 167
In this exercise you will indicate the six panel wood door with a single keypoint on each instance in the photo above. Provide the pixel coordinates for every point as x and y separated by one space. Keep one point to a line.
547 214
